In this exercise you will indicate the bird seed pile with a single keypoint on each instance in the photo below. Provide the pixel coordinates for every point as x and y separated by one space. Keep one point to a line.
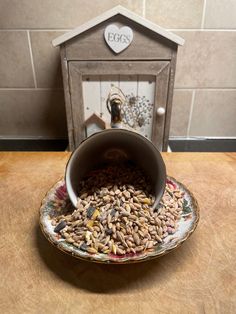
114 214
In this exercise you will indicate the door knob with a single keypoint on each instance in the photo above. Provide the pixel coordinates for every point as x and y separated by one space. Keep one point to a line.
161 111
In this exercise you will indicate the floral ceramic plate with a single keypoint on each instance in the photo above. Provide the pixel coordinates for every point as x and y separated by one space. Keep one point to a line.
57 201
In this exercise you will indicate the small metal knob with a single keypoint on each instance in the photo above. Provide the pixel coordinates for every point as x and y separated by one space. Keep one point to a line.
161 111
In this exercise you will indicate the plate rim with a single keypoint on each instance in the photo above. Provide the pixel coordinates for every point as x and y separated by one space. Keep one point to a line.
90 257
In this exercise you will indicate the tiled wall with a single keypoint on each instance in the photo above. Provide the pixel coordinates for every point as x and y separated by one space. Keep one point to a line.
31 94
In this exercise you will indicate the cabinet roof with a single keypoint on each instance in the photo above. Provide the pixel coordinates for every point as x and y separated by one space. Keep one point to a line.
113 12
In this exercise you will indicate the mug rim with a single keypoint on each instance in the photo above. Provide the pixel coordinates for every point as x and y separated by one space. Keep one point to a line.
69 188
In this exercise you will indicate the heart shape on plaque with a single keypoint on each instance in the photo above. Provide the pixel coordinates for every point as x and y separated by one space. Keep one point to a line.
118 39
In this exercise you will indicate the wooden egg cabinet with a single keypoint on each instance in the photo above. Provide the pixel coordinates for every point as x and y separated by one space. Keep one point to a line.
121 49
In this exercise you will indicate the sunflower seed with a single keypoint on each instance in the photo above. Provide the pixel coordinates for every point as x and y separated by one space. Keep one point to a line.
136 239
60 226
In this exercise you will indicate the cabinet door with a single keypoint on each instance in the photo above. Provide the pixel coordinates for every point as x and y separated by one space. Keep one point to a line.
143 83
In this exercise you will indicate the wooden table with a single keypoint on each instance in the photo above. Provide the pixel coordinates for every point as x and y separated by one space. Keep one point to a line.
199 277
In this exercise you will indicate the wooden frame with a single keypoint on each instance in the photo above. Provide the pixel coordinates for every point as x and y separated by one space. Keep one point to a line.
77 69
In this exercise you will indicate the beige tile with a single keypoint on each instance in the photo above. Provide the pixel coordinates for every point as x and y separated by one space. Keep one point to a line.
57 14
180 113
214 114
207 60
15 63
220 14
175 13
32 113
46 59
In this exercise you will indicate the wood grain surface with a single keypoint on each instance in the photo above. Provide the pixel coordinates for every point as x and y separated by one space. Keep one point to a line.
199 277
146 45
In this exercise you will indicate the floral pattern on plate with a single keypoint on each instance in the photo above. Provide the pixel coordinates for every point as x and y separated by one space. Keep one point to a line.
57 202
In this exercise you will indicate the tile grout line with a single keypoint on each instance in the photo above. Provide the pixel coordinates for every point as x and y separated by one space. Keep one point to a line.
144 9
198 137
29 88
176 88
143 13
68 30
191 113
36 137
52 30
213 89
36 30
201 30
31 58
203 14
